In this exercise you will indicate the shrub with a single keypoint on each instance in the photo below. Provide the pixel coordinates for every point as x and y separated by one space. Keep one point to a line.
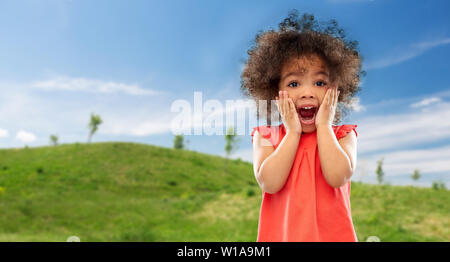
250 192
438 185
178 142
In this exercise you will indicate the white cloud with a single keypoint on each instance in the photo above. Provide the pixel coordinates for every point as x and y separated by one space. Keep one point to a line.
91 86
3 133
162 123
417 127
135 126
430 160
426 102
23 107
244 154
398 137
68 115
216 116
150 128
26 137
405 53
433 43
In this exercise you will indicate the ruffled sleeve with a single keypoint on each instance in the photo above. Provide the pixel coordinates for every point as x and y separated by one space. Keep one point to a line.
272 133
264 131
343 130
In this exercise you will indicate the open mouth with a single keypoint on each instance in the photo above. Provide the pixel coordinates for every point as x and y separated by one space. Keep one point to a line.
307 114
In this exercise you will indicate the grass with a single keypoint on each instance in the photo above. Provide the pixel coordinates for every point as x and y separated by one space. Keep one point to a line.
136 192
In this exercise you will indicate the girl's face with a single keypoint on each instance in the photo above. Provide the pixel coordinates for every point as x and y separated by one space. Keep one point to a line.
306 80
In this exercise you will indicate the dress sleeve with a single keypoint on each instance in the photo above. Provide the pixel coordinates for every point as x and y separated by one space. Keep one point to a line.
343 130
272 133
264 131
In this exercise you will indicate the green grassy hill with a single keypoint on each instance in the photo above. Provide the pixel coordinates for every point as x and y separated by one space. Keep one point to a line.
136 192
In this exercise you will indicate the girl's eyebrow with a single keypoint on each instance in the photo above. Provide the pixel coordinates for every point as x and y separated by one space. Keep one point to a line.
321 73
299 73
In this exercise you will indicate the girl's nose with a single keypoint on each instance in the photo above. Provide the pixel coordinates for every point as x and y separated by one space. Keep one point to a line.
307 92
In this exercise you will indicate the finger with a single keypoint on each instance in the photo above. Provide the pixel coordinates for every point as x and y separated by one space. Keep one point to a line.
327 97
333 97
337 96
277 103
324 98
278 98
281 103
285 108
330 98
289 108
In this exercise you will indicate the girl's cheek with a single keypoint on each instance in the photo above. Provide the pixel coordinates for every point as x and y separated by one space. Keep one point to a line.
321 100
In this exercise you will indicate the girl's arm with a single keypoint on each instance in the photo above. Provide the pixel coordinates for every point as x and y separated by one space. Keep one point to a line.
337 158
272 166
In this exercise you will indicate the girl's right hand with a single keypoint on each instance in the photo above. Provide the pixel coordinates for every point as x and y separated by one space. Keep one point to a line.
288 113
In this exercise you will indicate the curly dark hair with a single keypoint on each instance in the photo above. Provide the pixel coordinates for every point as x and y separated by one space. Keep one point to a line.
302 37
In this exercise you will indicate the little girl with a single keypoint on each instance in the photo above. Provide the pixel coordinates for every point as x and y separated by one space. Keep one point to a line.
304 165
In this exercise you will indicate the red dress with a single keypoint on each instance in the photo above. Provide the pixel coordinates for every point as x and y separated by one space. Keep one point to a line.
306 208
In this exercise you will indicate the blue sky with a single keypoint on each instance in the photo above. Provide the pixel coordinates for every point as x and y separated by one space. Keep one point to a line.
129 61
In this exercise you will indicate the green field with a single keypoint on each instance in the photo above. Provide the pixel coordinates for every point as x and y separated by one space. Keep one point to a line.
137 192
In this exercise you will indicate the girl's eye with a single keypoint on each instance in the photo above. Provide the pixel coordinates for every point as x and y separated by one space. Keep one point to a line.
293 84
323 83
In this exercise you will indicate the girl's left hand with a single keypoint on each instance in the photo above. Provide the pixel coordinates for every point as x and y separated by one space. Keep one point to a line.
327 110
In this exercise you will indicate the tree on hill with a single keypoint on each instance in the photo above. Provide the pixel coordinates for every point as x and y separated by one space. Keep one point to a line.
379 171
416 175
178 142
438 185
95 121
231 140
53 140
